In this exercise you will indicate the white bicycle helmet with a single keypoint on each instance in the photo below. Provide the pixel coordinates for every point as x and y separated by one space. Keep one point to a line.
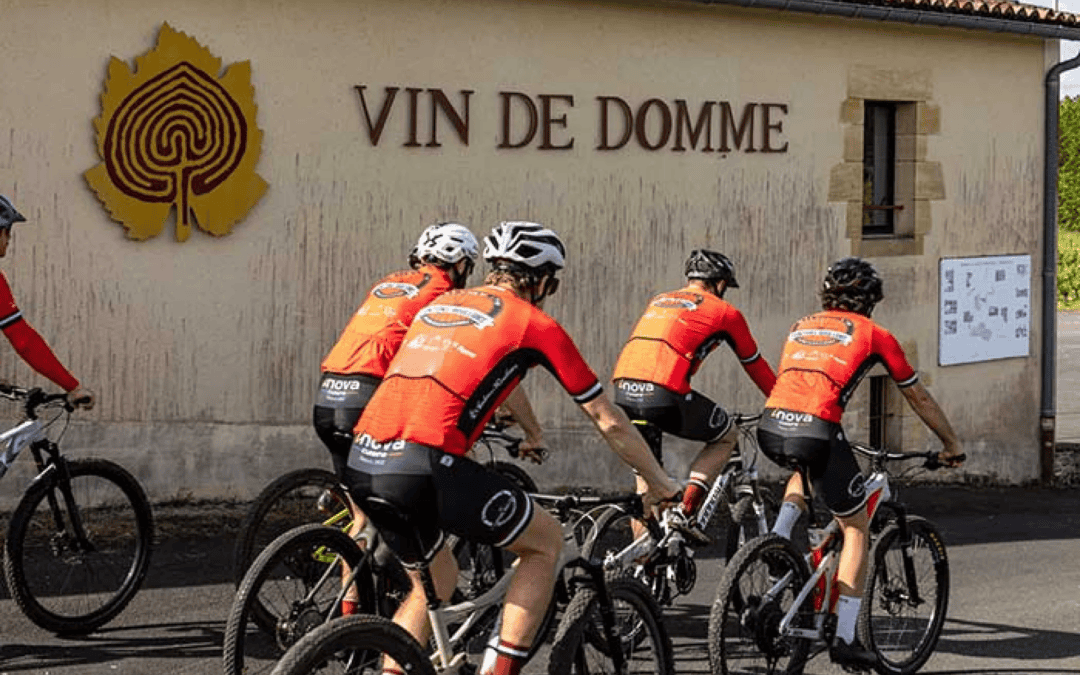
530 245
447 243
8 215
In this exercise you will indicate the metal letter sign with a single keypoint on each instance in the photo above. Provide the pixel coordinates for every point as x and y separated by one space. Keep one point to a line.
174 133
985 310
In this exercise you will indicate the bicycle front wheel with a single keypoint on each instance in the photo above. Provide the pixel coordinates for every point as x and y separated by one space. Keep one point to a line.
581 647
72 584
907 596
355 645
296 581
757 590
290 501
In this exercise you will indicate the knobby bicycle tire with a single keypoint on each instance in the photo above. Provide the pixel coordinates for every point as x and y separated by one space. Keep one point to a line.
58 586
579 646
903 627
743 636
353 644
301 575
287 502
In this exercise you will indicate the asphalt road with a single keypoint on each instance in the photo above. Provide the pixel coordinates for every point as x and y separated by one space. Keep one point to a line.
1015 600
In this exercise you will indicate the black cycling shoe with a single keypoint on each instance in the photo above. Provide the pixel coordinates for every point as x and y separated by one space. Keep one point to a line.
852 656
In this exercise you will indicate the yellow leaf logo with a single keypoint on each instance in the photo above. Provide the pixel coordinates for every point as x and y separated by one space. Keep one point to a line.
172 133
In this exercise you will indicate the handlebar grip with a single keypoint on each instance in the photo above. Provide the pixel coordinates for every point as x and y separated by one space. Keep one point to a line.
936 462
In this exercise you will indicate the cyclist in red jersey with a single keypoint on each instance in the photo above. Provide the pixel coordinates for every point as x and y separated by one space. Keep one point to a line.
824 358
27 342
442 260
461 356
669 343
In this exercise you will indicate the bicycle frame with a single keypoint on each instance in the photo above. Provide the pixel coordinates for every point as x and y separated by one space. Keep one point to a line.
16 439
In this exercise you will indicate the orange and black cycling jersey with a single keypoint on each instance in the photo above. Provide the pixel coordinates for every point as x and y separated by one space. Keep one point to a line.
374 333
825 357
28 343
678 330
461 358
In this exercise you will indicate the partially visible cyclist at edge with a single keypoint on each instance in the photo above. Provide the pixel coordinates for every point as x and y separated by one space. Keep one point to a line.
667 347
441 261
824 358
461 357
26 341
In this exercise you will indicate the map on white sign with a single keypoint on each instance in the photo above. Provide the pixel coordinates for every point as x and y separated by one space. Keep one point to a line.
985 310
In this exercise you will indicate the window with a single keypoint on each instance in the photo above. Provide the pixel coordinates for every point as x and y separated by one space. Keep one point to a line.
879 169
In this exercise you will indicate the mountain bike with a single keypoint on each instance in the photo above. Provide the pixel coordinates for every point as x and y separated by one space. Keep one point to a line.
291 587
774 604
78 543
662 558
316 495
611 624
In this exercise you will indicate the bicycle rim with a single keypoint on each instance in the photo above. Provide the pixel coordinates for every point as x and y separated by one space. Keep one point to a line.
744 621
73 587
900 622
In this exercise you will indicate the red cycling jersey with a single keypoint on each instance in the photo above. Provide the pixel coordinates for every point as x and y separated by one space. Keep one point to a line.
678 330
825 357
28 343
375 332
461 358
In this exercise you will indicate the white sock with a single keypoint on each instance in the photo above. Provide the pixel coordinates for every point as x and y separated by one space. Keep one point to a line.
847 615
786 519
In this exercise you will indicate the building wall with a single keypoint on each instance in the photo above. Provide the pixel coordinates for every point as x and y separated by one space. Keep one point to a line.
205 353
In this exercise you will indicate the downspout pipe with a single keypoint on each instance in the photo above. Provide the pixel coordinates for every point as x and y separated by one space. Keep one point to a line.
1048 402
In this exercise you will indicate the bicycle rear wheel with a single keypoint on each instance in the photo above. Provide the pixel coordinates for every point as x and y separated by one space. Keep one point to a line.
745 521
296 581
744 621
355 645
905 606
580 646
288 502
72 586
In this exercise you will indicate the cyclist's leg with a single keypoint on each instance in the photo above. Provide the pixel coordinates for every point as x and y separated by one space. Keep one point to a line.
649 406
484 506
338 406
700 419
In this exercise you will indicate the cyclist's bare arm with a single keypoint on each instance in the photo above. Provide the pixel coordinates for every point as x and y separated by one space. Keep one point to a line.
532 446
627 443
931 413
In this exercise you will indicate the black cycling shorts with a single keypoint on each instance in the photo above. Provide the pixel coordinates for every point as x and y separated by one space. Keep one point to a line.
414 494
690 416
795 439
338 405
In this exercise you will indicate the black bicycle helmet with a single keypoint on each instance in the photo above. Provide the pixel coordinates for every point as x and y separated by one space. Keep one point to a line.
710 266
8 215
852 284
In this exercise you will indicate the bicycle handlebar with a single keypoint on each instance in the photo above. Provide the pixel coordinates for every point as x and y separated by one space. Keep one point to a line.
563 504
932 458
35 398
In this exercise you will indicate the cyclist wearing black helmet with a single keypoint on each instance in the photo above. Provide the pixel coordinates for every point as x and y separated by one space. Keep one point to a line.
27 342
652 376
824 358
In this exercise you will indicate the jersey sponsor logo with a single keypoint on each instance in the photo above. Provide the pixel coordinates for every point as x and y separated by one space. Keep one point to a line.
392 289
437 343
791 420
857 487
496 386
499 509
366 442
803 355
636 387
823 337
718 418
458 316
341 385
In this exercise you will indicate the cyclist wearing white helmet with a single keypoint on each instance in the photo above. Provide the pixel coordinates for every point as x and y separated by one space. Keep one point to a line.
460 358
27 342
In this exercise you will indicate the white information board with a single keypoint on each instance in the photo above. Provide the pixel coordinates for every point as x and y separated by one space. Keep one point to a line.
985 310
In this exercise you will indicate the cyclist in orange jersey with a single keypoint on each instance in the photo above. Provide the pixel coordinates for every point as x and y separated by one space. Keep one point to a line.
824 358
26 341
460 358
667 347
442 260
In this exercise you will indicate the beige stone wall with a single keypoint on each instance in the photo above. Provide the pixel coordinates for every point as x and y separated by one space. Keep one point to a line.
205 354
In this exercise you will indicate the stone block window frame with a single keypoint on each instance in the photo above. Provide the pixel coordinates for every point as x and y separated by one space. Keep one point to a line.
916 180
